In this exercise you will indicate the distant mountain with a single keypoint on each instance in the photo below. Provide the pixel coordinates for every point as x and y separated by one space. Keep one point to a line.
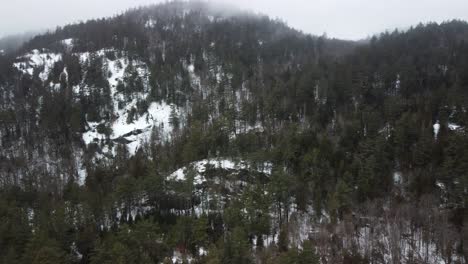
198 131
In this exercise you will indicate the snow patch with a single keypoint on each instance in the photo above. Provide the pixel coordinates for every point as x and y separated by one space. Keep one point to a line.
82 174
130 126
178 257
202 252
436 128
397 83
453 126
92 135
36 59
397 177
226 164
139 131
150 23
68 43
191 68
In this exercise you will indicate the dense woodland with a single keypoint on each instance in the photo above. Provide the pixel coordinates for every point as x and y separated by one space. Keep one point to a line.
366 143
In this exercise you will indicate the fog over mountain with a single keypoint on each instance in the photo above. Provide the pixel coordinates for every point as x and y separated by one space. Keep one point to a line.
207 133
347 19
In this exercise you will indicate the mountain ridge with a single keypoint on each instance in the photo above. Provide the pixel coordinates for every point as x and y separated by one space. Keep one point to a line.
234 139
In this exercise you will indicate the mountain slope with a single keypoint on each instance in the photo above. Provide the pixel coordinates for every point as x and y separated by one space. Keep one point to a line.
191 130
150 63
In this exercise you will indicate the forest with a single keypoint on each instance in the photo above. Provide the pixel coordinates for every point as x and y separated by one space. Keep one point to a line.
183 133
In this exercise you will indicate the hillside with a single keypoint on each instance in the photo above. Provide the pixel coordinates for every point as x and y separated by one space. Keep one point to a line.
196 132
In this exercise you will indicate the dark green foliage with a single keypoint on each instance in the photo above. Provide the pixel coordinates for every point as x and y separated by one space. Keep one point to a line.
335 120
42 250
305 256
138 244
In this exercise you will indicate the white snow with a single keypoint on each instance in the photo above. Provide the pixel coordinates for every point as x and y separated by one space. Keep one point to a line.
84 56
80 167
30 212
195 80
242 128
453 126
120 127
178 257
36 59
202 252
68 43
191 68
150 23
82 174
139 131
227 164
157 115
92 135
440 185
74 250
397 177
398 83
436 128
116 71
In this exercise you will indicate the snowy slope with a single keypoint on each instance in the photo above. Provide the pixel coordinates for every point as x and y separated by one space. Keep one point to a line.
132 132
36 59
139 130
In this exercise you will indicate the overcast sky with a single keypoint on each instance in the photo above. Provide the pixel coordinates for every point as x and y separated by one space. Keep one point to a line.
347 19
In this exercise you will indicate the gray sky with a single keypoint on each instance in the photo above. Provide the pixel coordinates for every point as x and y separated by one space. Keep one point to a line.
348 19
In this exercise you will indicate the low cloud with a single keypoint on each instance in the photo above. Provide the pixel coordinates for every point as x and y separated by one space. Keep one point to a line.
348 19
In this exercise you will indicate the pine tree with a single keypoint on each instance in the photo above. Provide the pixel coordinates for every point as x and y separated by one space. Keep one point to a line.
174 118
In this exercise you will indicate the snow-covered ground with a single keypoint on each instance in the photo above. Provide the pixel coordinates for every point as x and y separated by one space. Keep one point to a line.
151 23
226 164
68 44
451 126
436 128
36 59
133 132
92 135
138 130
